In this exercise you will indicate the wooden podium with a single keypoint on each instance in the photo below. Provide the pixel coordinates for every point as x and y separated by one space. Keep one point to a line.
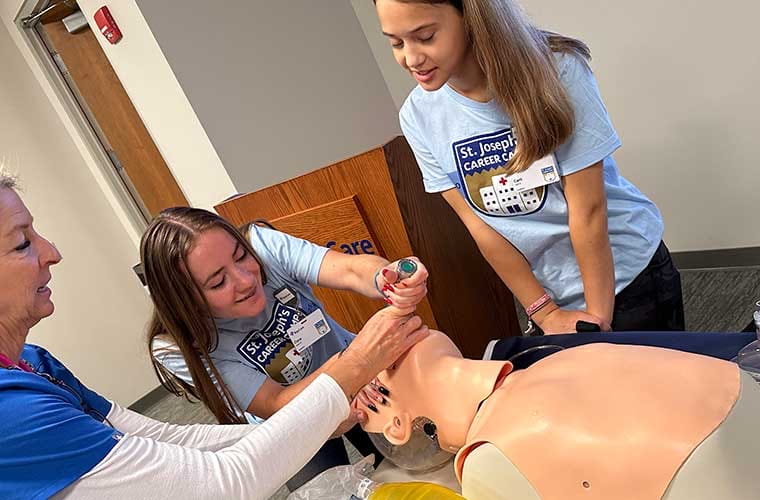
375 203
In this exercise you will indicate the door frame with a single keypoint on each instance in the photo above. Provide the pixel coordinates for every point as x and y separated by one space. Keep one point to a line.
117 185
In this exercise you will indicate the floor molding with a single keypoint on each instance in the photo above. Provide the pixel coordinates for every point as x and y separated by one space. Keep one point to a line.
712 259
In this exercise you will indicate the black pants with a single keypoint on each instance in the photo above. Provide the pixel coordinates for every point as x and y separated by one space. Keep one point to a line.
653 301
333 453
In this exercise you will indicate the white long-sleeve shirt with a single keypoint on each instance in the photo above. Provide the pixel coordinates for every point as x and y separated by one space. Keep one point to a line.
158 460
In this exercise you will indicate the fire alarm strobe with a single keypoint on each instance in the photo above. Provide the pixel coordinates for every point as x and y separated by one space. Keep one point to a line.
107 25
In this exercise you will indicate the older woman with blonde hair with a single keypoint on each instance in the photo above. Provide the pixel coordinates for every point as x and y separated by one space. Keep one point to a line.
59 439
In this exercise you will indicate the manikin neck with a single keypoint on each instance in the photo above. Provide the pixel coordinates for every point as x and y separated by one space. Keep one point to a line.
453 404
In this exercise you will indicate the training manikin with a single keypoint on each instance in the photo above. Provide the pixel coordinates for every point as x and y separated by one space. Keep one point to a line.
598 421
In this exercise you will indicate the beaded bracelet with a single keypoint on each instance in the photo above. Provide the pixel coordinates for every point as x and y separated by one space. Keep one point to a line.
377 273
538 305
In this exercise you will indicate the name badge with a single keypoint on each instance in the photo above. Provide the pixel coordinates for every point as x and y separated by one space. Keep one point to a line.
286 296
308 330
540 173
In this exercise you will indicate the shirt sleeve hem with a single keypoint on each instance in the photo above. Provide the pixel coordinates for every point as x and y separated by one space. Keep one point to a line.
438 186
313 277
588 158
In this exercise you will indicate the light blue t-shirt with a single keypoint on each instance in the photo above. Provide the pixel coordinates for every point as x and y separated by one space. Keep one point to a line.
252 349
464 144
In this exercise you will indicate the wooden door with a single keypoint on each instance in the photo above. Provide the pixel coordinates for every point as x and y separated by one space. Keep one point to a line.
121 129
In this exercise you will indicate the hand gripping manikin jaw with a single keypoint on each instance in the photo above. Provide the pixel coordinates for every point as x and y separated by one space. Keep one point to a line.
422 426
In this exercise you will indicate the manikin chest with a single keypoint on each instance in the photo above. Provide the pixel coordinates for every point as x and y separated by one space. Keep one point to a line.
604 421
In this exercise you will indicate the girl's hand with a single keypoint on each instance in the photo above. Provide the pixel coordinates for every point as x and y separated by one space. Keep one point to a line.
563 321
407 293
372 395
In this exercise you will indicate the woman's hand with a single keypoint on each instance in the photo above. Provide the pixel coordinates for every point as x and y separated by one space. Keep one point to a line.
357 416
383 339
407 293
563 321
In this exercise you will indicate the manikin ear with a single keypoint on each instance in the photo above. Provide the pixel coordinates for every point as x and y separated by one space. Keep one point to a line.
399 429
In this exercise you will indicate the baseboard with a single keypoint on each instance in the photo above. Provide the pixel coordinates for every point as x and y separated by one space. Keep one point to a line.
149 399
711 259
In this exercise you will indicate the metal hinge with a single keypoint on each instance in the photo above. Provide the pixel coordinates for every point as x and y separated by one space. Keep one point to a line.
61 65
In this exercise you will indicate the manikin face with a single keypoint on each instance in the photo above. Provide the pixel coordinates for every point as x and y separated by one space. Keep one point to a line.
395 419
228 276
428 40
413 381
25 260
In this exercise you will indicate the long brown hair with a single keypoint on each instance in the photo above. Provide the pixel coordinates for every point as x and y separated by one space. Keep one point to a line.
517 60
181 314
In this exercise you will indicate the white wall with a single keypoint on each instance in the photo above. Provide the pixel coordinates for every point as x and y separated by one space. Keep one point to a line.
281 88
162 105
399 82
680 81
101 309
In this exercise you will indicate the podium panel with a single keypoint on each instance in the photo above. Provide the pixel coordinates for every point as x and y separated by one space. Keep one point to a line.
340 226
375 203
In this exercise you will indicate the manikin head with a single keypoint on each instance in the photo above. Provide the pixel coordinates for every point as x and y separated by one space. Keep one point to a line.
413 383
404 429
434 394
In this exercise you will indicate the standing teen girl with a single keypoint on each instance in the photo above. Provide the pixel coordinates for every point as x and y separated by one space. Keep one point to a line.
508 125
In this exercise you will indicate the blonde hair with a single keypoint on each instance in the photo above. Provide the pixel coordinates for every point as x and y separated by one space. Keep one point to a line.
518 62
181 312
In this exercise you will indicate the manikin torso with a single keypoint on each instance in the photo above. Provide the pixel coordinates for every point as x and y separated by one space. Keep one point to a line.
620 426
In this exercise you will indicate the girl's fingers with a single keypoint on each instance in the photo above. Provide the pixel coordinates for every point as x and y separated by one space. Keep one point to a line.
381 388
367 402
372 393
363 400
390 275
405 292
418 277
404 302
400 311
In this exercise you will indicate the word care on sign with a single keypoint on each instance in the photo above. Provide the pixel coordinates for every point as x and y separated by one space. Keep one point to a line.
353 248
